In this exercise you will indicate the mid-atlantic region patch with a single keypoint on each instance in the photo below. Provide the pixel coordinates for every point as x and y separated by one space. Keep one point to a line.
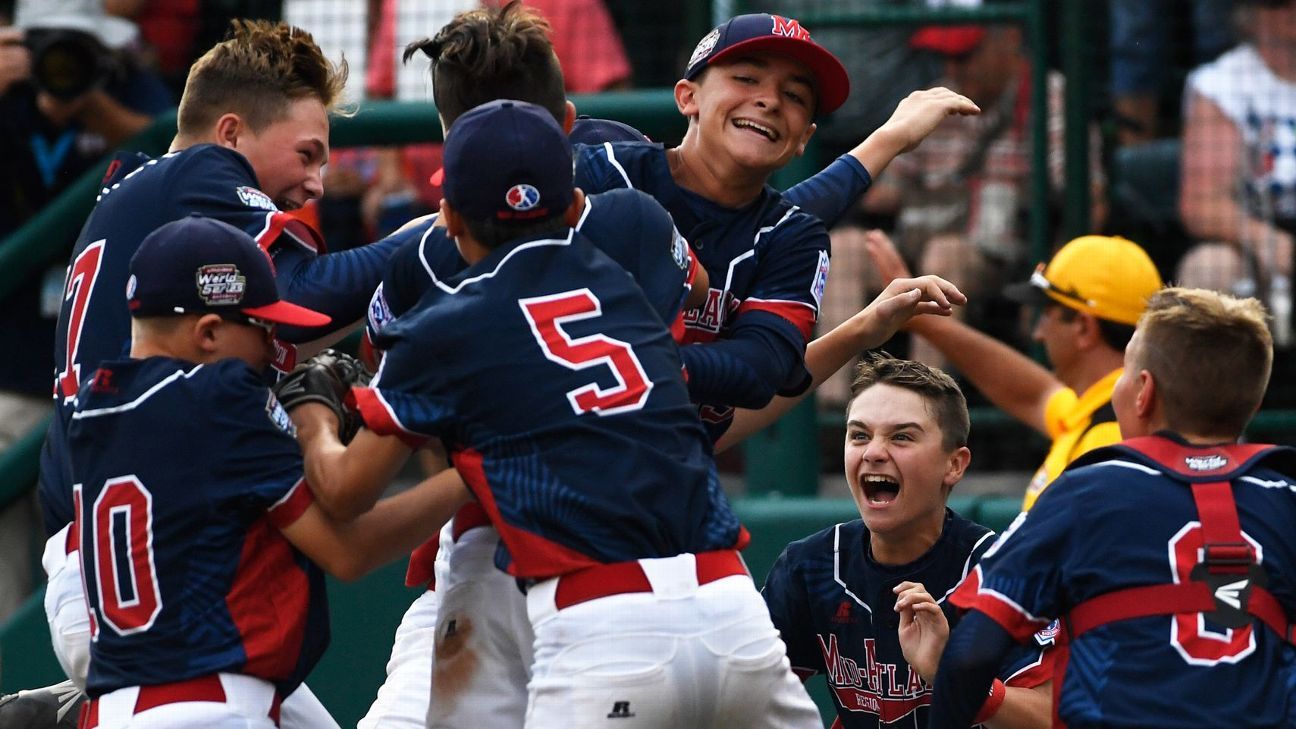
820 279
279 416
679 249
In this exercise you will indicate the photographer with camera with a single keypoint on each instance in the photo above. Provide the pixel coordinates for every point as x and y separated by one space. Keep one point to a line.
69 93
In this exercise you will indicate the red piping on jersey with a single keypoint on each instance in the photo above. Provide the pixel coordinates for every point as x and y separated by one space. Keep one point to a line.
280 224
799 315
380 419
533 555
290 508
268 603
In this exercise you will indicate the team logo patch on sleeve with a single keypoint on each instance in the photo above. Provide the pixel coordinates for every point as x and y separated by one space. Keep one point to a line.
254 198
279 416
221 284
820 279
380 314
679 249
1049 635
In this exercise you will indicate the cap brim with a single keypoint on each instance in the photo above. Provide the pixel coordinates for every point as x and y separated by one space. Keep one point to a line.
831 80
282 312
1027 293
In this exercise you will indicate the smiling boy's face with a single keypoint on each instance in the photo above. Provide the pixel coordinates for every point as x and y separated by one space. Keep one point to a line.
897 467
756 110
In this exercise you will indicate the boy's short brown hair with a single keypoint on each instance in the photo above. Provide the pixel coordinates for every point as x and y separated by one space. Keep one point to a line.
493 53
1210 356
945 401
257 72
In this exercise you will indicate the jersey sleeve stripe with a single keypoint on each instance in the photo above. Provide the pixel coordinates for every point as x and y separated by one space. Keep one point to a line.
1009 615
798 313
289 509
380 418
1034 674
281 226
612 160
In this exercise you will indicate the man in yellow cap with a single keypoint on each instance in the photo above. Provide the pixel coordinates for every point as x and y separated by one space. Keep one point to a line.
1091 295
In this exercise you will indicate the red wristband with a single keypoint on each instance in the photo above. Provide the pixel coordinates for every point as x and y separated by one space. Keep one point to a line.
992 703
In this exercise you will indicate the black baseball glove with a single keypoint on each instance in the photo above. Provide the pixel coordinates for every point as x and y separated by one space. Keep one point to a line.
325 378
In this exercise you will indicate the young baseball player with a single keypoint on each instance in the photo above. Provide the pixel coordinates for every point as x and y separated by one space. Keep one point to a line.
482 55
596 474
190 502
1089 295
252 137
751 91
864 602
1169 557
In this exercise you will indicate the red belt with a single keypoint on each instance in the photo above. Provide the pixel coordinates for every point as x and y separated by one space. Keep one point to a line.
203 688
620 578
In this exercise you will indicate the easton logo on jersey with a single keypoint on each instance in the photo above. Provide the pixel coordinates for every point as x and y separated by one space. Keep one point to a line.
221 283
522 197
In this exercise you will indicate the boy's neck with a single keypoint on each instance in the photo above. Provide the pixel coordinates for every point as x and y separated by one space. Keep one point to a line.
711 176
908 546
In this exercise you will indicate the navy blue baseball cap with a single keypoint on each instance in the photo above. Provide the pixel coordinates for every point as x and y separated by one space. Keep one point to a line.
507 160
746 34
198 265
588 130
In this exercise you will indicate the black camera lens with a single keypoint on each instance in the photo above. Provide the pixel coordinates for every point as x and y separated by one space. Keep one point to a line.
66 63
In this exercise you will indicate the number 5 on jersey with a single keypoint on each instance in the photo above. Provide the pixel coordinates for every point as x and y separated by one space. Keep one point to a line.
548 314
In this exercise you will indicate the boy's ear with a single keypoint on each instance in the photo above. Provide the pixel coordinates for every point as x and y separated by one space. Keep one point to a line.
805 138
956 465
572 215
204 333
569 117
229 127
686 97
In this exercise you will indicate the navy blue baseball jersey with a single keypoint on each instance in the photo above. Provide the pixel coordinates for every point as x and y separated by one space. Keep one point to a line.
184 476
138 196
767 262
629 226
558 392
834 606
1128 519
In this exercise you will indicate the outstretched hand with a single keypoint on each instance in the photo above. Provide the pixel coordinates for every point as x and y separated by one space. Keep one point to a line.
923 628
886 260
919 113
905 296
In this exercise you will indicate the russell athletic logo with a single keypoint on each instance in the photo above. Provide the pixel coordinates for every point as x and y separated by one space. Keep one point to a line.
620 710
522 197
